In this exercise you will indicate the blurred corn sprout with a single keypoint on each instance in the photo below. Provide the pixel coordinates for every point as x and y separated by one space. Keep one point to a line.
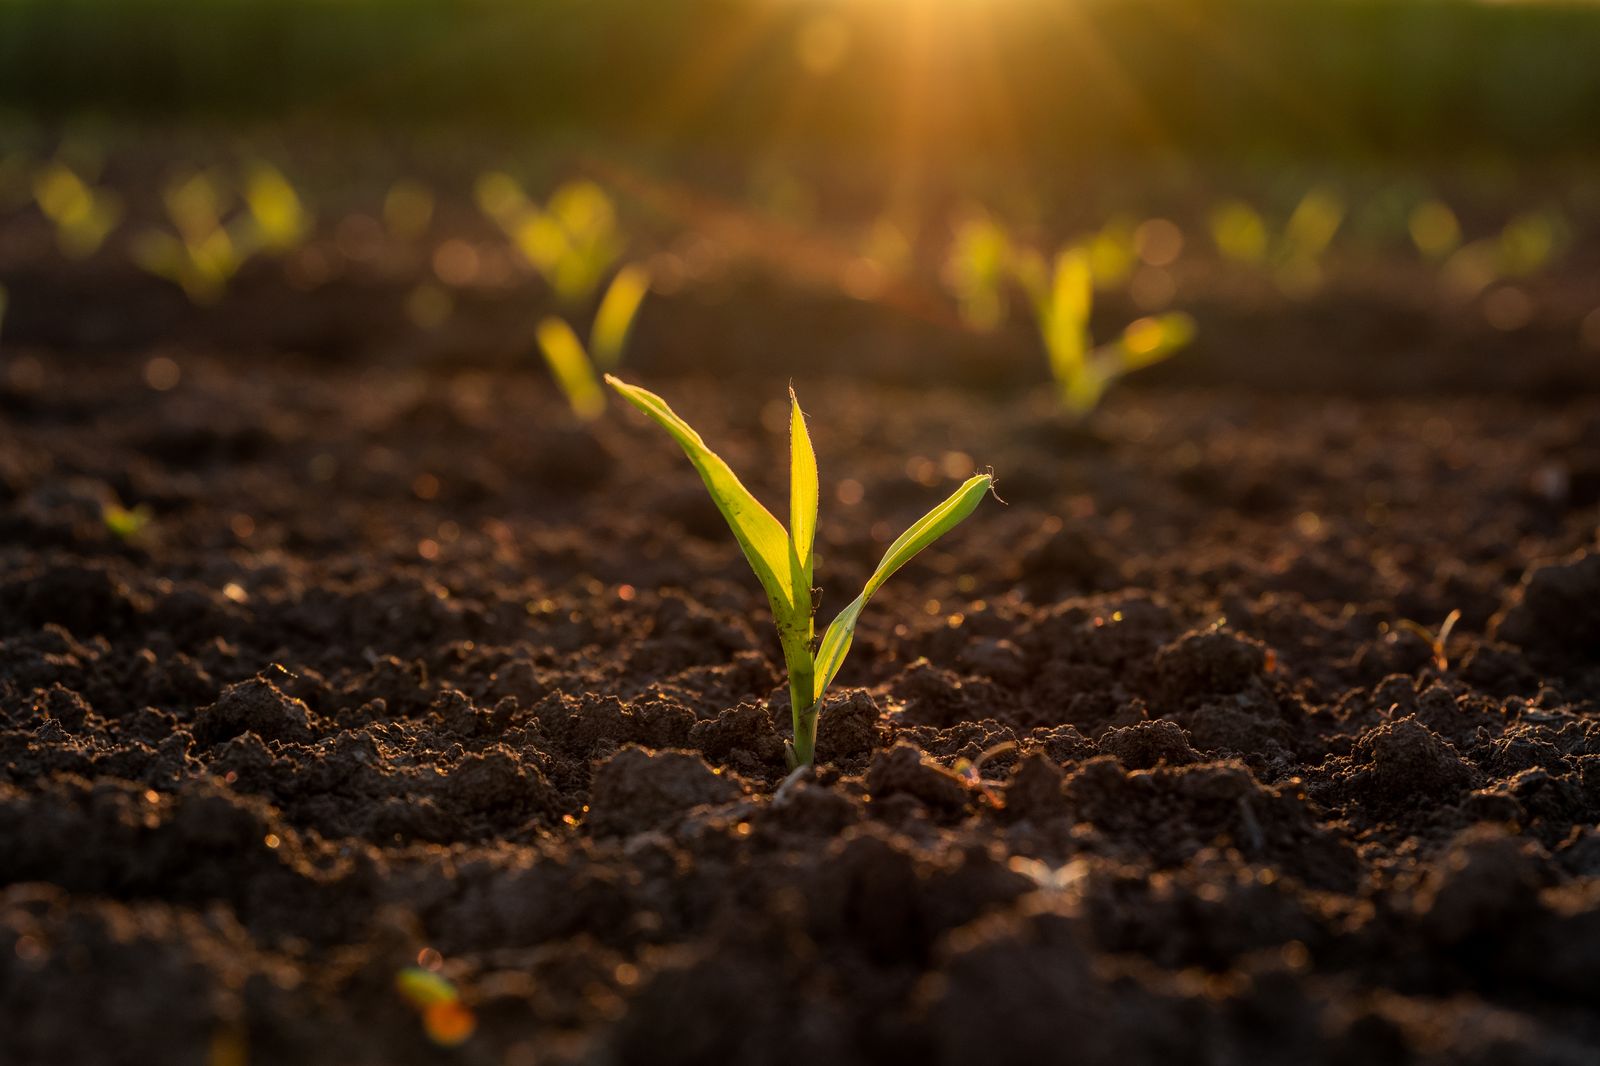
976 269
1062 295
278 218
1526 244
1112 252
216 229
83 216
576 367
1293 256
573 240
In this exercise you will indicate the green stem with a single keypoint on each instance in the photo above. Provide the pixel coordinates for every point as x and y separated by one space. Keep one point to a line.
804 712
805 736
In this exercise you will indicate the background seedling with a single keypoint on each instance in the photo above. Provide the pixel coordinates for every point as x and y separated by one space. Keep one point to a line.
1062 297
571 364
1294 256
782 559
572 241
201 255
82 215
445 1018
975 271
279 218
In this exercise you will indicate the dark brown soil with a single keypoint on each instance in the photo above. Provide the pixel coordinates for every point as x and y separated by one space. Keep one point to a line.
407 668
261 755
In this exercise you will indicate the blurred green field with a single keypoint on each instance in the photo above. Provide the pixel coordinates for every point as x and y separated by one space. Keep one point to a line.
1007 78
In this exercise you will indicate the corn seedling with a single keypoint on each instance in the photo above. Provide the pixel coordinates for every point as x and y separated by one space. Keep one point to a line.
83 216
1112 251
125 523
576 368
1437 642
202 253
1293 256
445 1018
1062 297
278 217
1527 243
975 271
782 559
572 241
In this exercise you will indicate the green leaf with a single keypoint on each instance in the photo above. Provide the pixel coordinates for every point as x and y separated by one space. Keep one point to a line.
1150 340
570 366
761 536
803 492
614 318
1066 324
927 529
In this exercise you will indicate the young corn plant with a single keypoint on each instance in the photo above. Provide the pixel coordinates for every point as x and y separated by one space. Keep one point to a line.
782 558
576 368
83 215
1293 256
572 240
1063 296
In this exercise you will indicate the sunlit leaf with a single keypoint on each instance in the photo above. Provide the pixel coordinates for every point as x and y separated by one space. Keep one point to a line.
803 493
569 365
614 318
280 218
929 528
1312 224
762 537
1066 323
1239 232
1150 340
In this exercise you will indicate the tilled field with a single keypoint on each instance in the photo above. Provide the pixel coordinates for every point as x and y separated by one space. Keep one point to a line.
405 668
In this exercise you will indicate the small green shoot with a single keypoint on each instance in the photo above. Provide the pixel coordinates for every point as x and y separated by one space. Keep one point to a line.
783 559
82 215
572 241
975 271
202 253
1526 244
279 218
447 1020
1437 642
1063 297
571 364
613 320
125 523
1294 256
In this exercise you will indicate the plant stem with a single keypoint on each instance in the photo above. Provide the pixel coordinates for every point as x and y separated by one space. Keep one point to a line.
805 735
804 710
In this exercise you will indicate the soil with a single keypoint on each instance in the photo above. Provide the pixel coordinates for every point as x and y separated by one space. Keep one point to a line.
1154 763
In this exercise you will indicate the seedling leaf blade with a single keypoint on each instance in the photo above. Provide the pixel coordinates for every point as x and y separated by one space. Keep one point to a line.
570 366
761 536
1067 321
927 529
614 319
1148 341
803 493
